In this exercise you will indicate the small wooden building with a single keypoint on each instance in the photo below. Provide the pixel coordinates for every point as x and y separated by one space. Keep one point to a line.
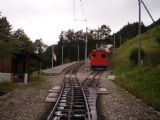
16 68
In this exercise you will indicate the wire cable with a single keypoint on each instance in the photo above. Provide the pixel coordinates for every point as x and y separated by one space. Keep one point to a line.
85 18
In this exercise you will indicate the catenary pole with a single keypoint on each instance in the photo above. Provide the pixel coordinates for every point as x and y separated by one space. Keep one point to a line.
120 41
62 54
52 55
86 50
78 51
114 42
150 15
139 35
148 11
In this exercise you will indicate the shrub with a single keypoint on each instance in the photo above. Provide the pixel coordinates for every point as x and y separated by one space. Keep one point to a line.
134 56
158 40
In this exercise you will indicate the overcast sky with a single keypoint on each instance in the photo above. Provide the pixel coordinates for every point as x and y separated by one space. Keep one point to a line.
47 18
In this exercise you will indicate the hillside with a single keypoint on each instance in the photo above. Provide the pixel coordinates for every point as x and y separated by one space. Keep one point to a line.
144 82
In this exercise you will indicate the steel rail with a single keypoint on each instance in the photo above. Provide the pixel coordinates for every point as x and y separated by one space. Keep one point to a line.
84 95
60 95
88 80
86 101
56 104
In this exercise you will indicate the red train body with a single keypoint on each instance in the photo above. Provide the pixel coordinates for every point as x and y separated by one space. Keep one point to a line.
99 59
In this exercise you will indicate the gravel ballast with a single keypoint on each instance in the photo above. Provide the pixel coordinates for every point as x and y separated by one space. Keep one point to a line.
27 102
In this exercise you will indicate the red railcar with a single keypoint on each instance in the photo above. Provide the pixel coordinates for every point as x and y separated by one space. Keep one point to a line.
99 59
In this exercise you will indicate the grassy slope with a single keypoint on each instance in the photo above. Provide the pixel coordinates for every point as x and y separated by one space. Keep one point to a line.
145 82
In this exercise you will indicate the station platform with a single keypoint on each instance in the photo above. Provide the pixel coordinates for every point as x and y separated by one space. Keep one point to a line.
57 70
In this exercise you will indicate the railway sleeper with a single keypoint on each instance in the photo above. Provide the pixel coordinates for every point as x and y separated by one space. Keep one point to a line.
59 118
79 110
78 95
79 107
63 105
61 113
62 108
79 103
78 116
77 91
79 98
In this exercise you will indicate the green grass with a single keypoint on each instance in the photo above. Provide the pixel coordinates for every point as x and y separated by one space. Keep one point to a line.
36 80
6 87
144 82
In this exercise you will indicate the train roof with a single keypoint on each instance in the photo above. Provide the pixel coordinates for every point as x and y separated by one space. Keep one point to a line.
94 51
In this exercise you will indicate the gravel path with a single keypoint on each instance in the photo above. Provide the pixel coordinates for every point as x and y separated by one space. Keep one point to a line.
27 102
120 105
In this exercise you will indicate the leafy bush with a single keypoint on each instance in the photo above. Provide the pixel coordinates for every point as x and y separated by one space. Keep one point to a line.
134 56
158 40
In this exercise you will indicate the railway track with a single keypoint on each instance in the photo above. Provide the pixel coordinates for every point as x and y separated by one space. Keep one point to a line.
72 102
93 79
90 84
76 101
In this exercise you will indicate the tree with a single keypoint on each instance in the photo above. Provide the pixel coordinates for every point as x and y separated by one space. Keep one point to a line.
5 38
129 31
71 39
104 32
39 46
67 36
21 41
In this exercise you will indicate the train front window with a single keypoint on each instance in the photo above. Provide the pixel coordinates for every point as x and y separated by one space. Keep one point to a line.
94 55
103 55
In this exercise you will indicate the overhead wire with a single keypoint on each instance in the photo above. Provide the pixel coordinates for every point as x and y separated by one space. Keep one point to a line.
150 16
83 10
74 10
